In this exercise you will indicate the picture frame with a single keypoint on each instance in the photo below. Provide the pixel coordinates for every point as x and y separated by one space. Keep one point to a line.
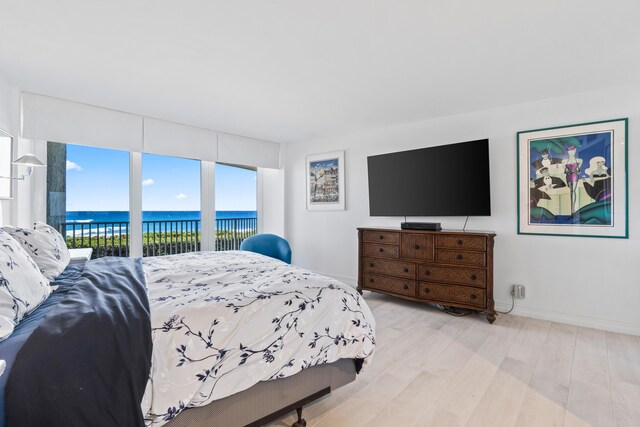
573 180
325 181
6 169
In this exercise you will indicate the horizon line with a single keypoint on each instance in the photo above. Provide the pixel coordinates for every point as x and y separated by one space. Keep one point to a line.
175 210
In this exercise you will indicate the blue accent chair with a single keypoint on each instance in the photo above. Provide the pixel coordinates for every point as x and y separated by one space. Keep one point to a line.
269 245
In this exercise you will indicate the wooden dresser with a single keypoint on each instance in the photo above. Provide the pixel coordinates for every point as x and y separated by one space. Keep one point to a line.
452 268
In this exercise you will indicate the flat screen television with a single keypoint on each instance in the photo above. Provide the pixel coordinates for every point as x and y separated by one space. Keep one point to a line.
447 180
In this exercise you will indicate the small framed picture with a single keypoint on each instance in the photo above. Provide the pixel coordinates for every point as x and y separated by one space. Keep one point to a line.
572 180
325 181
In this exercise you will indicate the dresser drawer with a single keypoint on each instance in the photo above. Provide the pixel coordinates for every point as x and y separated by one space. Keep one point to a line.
390 268
386 237
417 246
449 268
450 293
388 251
472 243
390 284
464 276
460 257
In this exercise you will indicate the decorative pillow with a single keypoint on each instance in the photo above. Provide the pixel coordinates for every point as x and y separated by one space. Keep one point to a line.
60 239
45 246
22 286
6 329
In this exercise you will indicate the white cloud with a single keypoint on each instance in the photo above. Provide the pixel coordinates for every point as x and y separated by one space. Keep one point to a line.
147 181
181 196
73 166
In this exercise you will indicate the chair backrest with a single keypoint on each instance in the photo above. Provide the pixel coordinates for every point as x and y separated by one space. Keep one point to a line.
269 245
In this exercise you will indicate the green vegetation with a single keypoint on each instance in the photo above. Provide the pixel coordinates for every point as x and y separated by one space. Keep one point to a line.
155 244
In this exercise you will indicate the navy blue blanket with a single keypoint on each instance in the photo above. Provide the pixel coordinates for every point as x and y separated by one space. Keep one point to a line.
88 362
10 347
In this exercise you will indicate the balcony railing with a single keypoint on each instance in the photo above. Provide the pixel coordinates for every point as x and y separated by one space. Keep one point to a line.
170 237
158 237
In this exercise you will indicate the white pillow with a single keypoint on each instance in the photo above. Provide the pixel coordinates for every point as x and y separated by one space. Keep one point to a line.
6 329
45 246
22 286
65 255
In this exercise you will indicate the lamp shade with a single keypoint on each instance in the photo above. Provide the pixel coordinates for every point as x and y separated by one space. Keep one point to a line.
28 160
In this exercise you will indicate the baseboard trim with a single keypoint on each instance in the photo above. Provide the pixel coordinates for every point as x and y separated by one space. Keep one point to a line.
541 313
571 319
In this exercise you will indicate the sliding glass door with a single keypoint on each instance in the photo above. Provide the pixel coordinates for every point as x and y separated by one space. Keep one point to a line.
236 205
170 205
88 197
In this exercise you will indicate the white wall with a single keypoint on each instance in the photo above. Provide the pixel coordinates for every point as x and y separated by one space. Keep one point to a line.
271 201
6 121
5 124
585 281
18 210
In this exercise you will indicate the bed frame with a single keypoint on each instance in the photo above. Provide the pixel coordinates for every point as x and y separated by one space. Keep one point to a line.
269 400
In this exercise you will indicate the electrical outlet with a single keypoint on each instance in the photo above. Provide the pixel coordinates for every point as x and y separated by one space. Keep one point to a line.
518 291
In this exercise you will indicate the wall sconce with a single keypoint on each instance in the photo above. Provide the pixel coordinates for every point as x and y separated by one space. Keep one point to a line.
27 160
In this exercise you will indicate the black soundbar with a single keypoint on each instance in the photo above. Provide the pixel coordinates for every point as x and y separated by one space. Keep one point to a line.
432 226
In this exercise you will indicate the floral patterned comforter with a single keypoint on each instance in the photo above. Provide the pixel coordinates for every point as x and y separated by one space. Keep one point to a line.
224 321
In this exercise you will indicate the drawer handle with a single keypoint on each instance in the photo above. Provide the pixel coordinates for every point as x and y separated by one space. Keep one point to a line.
380 250
460 242
474 277
406 270
405 286
458 257
370 264
370 280
426 290
473 296
381 237
427 272
417 247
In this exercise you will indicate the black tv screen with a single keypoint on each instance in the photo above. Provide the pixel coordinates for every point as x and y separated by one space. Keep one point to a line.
447 180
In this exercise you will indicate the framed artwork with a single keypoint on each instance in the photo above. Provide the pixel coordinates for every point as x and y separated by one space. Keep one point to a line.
6 153
325 181
572 180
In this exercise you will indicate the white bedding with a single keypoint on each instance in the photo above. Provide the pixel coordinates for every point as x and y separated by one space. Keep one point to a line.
224 321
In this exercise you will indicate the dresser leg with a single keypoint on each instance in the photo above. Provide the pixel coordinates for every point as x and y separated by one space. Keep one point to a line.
491 316
359 289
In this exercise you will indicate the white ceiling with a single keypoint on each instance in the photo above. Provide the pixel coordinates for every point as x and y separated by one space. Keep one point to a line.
293 70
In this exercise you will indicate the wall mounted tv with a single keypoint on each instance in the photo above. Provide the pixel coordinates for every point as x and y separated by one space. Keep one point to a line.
447 180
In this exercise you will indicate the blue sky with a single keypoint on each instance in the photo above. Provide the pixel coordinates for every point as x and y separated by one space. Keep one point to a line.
323 164
98 180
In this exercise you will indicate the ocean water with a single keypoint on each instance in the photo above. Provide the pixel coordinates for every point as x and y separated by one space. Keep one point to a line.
123 216
101 221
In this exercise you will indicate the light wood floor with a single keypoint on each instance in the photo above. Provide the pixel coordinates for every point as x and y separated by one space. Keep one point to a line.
432 369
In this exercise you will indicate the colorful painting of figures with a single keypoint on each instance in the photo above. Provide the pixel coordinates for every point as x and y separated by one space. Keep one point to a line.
325 181
572 180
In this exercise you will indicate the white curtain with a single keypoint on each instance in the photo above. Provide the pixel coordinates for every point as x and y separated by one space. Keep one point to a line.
52 119
239 150
58 120
172 139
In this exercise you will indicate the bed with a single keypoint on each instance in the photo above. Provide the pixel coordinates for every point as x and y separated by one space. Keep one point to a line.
207 338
